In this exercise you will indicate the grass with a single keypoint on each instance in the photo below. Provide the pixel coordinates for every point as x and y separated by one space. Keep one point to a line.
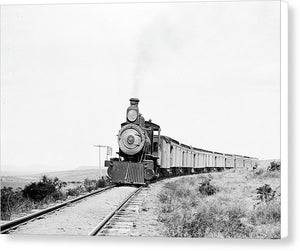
234 211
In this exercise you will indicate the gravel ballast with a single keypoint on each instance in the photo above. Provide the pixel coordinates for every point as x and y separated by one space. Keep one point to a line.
78 218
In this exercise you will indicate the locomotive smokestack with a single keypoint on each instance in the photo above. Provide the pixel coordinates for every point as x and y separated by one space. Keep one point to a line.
134 101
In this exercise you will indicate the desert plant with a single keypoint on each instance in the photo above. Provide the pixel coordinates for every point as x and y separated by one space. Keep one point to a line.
13 202
37 191
76 191
265 193
102 182
205 188
259 171
34 195
89 185
6 194
274 166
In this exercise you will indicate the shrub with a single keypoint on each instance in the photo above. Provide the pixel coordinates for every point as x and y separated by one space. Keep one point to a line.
38 191
102 182
274 166
6 195
205 188
89 185
74 191
13 202
268 210
46 187
34 195
265 193
259 171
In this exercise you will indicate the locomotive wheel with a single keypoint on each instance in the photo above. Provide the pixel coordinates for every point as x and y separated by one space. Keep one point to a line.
149 174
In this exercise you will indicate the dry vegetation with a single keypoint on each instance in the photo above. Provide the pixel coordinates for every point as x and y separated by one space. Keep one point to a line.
41 194
223 205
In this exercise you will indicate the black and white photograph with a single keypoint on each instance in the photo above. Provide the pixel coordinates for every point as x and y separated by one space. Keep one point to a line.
144 119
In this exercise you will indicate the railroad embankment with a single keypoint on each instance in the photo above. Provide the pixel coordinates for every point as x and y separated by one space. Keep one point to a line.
236 203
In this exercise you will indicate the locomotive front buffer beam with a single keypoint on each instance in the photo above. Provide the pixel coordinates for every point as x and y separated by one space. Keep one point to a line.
127 172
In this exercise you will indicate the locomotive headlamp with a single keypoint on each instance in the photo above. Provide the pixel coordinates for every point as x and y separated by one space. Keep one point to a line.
132 115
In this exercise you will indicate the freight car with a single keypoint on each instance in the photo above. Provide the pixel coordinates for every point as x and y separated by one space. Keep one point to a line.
145 155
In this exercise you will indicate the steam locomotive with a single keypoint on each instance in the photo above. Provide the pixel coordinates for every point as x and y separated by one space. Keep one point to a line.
145 155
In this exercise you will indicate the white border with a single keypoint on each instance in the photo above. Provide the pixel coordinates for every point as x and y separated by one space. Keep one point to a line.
284 116
79 243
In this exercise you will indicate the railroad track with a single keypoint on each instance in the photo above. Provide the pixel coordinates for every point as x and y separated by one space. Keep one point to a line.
12 225
121 220
119 217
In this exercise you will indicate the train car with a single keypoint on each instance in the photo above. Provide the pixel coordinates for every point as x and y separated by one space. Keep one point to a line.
239 161
247 162
219 161
145 155
176 157
229 161
250 162
198 160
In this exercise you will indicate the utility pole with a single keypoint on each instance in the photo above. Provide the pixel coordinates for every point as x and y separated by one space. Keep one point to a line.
99 146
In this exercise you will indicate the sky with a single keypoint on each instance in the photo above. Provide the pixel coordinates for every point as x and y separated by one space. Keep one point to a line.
208 73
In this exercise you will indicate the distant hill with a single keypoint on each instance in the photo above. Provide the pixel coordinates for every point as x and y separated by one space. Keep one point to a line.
77 175
87 167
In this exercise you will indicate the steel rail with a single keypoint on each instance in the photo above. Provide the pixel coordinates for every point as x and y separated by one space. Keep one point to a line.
103 223
6 227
